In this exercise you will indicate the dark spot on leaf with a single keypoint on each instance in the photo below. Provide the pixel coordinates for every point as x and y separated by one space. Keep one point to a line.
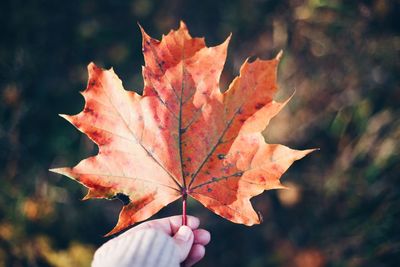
88 110
97 136
259 105
221 156
189 159
238 174
209 190
123 198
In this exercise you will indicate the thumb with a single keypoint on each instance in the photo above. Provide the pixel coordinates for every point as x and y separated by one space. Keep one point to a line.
184 241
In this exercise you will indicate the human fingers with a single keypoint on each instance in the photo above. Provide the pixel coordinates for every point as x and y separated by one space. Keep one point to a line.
169 225
183 240
201 237
195 255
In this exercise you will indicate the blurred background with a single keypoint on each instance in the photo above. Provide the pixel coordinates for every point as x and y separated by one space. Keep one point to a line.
341 57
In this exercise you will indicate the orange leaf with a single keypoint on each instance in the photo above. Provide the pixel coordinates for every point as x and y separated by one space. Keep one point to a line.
182 136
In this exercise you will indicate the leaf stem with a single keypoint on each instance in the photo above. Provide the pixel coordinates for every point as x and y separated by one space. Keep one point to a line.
184 217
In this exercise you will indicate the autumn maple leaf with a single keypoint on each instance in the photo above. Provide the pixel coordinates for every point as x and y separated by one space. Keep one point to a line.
182 137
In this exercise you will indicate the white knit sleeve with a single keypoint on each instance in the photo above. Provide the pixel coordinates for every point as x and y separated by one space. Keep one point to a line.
144 248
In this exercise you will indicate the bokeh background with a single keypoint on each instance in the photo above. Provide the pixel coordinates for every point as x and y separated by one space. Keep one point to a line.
342 59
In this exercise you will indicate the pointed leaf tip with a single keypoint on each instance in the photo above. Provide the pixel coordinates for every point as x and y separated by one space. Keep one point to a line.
279 55
228 39
91 66
53 170
182 25
62 171
145 36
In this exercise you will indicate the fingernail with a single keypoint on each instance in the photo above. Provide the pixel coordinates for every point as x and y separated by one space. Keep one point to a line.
184 233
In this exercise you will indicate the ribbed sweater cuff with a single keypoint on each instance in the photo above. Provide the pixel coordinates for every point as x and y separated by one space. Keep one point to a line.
144 248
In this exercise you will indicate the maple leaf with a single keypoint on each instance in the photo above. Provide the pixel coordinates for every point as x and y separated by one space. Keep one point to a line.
182 136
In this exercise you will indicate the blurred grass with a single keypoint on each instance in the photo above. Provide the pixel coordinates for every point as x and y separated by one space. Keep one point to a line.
341 57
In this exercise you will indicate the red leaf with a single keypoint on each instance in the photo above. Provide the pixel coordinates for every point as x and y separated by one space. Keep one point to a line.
183 135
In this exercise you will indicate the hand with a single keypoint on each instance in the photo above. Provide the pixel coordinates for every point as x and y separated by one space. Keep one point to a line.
192 249
189 240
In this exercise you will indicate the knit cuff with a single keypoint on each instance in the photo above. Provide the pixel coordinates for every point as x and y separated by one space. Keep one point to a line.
144 248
